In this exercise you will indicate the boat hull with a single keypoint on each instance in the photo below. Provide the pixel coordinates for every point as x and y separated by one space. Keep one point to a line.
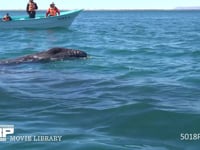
41 22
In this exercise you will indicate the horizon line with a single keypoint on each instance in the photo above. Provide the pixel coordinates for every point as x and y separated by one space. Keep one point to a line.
139 9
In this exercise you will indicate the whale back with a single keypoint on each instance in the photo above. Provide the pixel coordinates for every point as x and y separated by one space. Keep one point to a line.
54 51
50 55
64 52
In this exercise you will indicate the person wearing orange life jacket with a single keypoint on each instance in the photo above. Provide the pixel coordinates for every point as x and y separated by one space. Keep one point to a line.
7 18
52 11
31 8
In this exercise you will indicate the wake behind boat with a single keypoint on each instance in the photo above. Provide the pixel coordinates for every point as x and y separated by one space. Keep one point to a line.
41 22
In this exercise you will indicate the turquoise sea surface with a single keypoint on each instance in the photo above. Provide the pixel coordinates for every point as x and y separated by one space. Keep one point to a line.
139 89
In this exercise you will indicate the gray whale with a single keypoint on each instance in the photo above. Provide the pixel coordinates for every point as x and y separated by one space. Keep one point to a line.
52 54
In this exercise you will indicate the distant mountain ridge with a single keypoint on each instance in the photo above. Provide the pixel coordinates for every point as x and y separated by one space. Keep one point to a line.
188 8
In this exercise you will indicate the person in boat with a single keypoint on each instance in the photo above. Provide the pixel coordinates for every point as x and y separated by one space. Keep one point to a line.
7 17
52 11
31 8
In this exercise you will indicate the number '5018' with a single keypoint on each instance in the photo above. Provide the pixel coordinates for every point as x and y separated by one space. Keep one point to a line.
189 136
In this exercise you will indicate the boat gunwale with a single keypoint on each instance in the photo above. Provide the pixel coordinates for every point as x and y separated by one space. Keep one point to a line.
40 17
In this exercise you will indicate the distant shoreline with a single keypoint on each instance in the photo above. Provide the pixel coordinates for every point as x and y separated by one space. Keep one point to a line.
176 9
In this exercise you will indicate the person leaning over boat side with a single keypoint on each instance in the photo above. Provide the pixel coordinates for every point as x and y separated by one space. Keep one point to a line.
52 11
31 8
7 17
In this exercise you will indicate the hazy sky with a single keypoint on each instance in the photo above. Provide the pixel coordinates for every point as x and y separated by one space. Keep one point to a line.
101 4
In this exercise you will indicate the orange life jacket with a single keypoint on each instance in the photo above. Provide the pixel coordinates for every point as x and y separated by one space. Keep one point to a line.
6 18
53 11
31 7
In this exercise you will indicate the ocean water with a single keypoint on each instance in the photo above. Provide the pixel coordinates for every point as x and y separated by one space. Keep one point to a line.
139 89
